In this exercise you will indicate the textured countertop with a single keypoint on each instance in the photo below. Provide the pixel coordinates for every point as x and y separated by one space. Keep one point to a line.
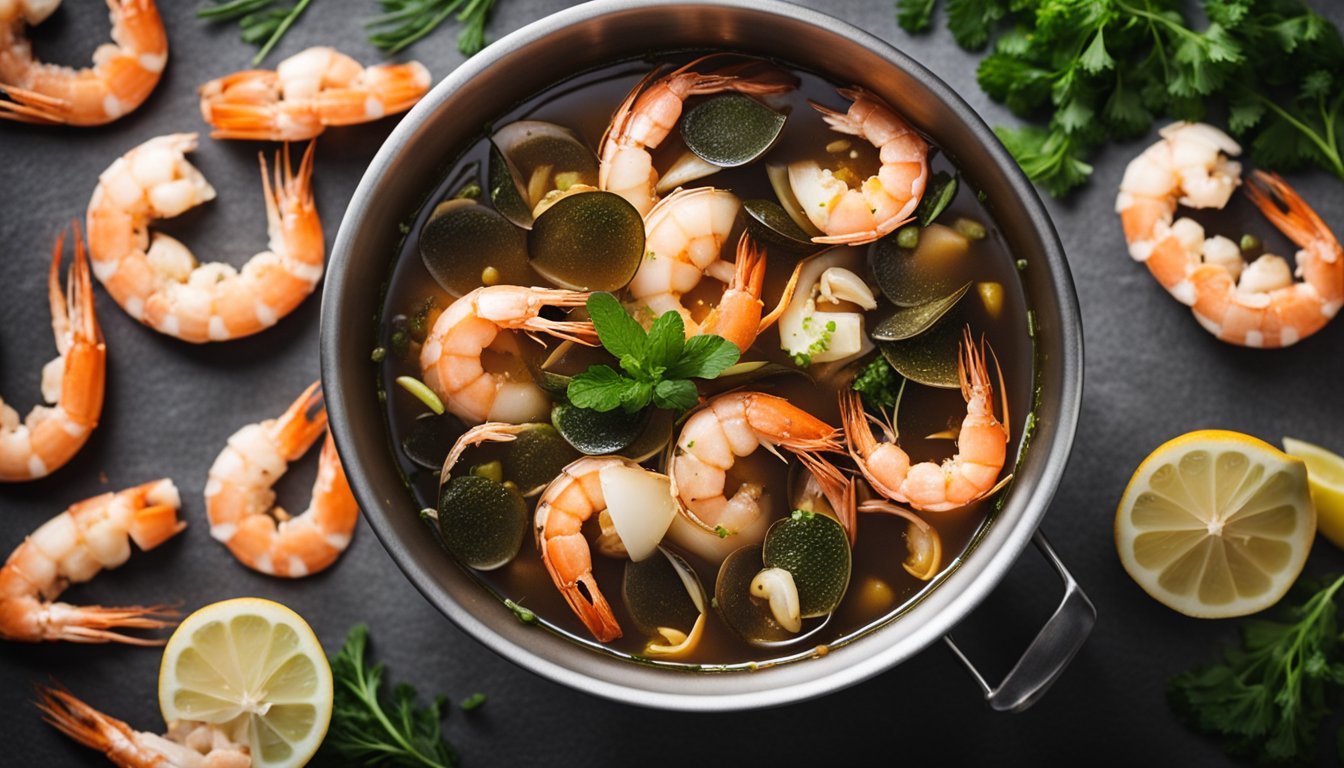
1152 373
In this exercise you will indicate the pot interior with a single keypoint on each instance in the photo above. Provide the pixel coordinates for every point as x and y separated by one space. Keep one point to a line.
424 148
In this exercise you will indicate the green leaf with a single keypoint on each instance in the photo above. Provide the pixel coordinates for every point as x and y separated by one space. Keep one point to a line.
620 333
1095 59
1124 111
1049 158
667 338
914 15
970 21
704 357
1021 85
601 388
675 394
1244 112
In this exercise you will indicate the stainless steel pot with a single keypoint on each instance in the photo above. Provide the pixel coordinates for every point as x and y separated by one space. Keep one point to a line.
416 156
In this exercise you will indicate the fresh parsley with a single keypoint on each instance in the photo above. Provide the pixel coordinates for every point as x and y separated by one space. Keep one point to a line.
260 21
656 366
1268 697
1101 70
403 22
369 728
878 384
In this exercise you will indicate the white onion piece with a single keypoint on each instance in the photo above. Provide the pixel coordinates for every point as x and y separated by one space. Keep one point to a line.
777 586
802 324
685 169
641 507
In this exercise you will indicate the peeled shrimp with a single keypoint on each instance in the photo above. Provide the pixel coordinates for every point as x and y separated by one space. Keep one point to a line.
649 113
123 74
50 436
1255 305
73 547
883 201
307 92
452 364
572 498
240 503
734 425
969 475
186 745
158 281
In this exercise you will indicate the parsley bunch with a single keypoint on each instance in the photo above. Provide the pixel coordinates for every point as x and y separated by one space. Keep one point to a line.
367 728
656 366
1097 70
1268 698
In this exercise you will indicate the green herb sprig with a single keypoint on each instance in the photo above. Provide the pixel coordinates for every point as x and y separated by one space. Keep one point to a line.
1099 70
405 21
368 728
1267 698
656 366
878 384
260 22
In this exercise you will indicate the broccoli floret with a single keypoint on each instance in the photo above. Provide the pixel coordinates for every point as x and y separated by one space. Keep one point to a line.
878 384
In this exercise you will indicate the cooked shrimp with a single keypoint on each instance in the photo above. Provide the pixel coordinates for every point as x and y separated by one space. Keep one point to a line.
122 76
240 503
307 92
158 281
453 359
73 547
649 113
882 202
734 425
186 745
1255 305
44 441
969 475
572 498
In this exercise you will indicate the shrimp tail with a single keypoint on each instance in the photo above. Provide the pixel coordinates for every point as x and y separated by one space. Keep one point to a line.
96 624
1294 217
839 490
93 729
301 424
25 106
489 432
569 554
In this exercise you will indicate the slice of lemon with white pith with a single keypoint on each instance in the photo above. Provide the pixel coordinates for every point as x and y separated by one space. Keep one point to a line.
1325 476
1216 524
254 668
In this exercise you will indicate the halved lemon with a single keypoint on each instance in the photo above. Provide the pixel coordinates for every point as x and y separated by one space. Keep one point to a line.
1325 477
256 669
1216 524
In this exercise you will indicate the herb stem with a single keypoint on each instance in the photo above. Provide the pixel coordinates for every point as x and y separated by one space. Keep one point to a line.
1330 151
280 31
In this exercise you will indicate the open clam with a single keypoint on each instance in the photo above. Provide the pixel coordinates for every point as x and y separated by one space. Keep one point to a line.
465 245
576 225
530 159
481 520
924 547
666 601
731 129
815 327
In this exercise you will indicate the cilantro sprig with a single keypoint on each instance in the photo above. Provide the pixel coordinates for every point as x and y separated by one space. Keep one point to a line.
1101 70
655 366
1268 697
368 728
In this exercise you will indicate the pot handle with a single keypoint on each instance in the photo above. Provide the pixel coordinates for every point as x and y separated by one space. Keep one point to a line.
1052 650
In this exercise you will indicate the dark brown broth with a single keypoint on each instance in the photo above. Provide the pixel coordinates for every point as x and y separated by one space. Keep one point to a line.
584 104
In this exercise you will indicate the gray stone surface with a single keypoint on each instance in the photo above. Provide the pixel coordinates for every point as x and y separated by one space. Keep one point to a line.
1151 374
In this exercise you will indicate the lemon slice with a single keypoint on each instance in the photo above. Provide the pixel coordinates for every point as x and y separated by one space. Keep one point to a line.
1216 524
1325 477
254 668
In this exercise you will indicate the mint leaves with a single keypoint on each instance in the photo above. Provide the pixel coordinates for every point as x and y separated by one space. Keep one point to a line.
655 366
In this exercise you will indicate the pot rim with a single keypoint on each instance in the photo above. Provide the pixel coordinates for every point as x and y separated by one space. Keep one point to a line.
951 601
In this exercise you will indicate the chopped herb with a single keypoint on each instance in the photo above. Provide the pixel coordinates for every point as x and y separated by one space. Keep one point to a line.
1250 244
802 514
260 22
369 728
470 191
1021 265
656 365
524 615
907 237
722 532
878 384
1268 697
405 21
404 228
690 445
473 701
937 196
379 354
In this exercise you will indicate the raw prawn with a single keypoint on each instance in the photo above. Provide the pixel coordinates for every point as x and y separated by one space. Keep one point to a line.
158 281
969 475
649 113
186 745
572 498
123 74
73 547
734 425
240 503
50 436
1255 305
307 92
452 360
882 202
